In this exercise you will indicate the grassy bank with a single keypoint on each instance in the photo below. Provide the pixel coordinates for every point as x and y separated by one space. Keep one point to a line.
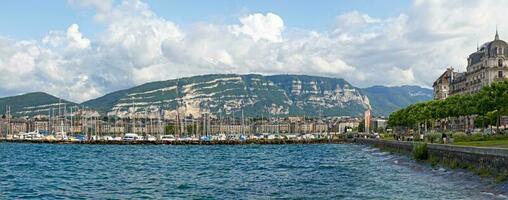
499 143
463 139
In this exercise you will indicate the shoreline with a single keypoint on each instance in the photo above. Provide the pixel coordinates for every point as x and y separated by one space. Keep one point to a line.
218 142
484 161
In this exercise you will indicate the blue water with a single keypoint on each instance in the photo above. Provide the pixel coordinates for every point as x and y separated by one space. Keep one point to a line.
324 171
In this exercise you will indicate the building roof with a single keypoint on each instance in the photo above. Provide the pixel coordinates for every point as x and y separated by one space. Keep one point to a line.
489 49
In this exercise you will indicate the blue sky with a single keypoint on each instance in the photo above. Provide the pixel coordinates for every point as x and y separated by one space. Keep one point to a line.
82 49
30 19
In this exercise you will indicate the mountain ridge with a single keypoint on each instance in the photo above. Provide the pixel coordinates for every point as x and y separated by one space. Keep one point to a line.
254 94
32 103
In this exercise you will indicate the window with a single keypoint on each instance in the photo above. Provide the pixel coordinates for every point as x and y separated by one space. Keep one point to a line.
500 74
500 62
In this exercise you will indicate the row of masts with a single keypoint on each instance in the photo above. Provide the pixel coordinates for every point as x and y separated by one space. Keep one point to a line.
180 126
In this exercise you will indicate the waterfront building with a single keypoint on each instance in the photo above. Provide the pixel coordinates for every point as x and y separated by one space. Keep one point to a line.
484 67
18 125
378 124
442 84
306 127
41 125
347 126
230 129
320 127
367 120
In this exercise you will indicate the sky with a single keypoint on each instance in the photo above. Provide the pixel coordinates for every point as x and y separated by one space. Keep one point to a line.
83 49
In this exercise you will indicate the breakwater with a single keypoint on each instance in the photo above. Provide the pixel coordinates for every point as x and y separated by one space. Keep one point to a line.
483 161
183 142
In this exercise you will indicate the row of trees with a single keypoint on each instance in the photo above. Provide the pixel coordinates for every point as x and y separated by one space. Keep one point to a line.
487 106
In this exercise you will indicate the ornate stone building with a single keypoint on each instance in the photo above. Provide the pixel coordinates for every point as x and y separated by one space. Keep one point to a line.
484 67
442 84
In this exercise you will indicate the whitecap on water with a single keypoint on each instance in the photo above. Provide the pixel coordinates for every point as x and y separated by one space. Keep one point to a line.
370 149
494 196
381 153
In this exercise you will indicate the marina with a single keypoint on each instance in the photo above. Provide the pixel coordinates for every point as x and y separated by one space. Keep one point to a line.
185 142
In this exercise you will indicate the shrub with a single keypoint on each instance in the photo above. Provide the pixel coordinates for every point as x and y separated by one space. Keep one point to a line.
459 137
420 151
387 136
433 138
476 137
350 135
433 161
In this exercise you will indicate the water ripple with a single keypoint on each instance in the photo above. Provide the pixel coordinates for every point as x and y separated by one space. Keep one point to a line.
325 171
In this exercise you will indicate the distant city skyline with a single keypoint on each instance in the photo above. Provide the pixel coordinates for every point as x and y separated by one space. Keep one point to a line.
82 49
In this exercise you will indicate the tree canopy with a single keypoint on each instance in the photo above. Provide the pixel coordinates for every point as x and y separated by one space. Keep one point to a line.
488 104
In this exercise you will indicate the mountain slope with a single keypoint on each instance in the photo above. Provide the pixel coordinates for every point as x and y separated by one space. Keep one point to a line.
385 100
30 104
227 94
230 94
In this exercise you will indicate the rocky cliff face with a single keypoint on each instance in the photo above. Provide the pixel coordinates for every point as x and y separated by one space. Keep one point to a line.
255 95
230 95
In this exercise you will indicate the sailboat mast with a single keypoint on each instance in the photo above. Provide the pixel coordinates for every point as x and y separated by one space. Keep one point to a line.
243 123
178 129
134 116
71 129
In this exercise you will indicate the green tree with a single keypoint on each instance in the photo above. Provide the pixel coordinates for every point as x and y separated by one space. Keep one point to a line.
169 129
488 106
190 129
361 126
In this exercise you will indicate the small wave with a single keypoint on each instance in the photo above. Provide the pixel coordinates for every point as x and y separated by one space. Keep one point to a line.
494 196
380 153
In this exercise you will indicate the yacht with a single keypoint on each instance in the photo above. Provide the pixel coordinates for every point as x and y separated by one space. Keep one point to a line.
130 137
168 138
184 139
34 135
205 138
150 138
107 138
61 135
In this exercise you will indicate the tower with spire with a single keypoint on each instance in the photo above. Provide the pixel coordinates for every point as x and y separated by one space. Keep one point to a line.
497 35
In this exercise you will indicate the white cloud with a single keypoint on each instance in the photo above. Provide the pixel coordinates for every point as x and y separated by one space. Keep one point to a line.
71 40
138 46
76 39
259 26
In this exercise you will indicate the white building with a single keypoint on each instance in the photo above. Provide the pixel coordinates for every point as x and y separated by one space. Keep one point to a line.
484 67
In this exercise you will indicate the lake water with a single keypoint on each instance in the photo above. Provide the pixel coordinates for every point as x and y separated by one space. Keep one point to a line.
319 171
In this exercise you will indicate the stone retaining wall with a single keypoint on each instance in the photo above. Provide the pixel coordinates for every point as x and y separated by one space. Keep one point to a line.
486 161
